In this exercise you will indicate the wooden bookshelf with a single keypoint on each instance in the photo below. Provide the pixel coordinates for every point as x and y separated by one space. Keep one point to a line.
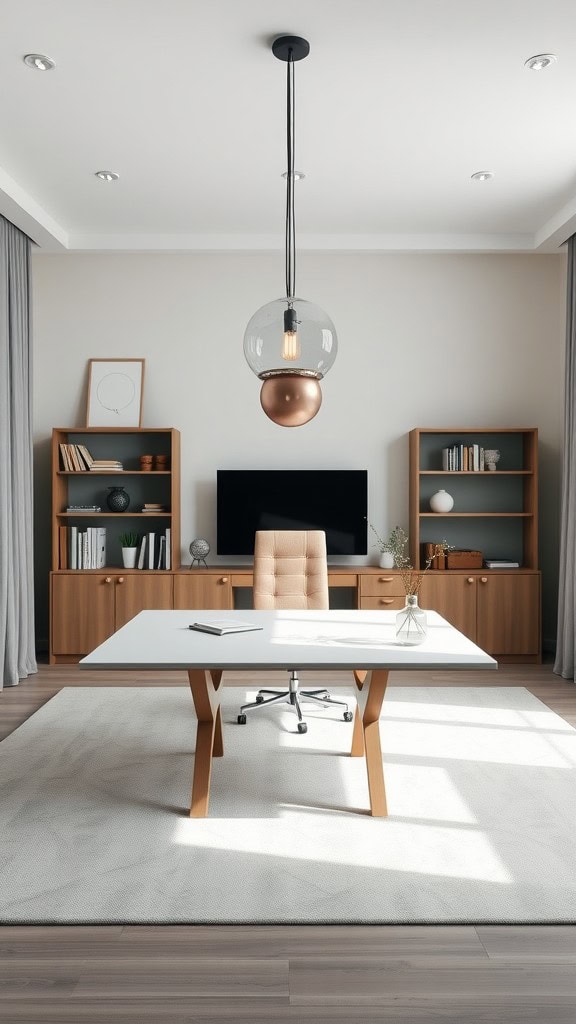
495 512
87 605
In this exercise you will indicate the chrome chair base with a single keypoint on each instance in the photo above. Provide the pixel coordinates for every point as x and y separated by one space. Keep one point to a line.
294 696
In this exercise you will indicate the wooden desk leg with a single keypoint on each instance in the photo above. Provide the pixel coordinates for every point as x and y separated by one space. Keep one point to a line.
371 734
204 687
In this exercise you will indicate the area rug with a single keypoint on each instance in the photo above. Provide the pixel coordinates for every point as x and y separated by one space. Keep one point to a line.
481 785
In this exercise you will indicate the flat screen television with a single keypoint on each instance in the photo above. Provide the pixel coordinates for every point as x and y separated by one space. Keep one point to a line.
333 500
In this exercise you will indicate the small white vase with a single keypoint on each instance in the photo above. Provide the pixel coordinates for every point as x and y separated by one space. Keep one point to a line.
129 557
441 502
386 560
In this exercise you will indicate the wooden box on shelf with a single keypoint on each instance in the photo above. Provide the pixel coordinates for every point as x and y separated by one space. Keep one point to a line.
88 604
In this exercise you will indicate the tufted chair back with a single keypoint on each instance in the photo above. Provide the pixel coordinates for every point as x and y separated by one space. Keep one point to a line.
290 569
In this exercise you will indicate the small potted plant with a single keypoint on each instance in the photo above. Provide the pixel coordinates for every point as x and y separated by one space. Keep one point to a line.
392 551
129 542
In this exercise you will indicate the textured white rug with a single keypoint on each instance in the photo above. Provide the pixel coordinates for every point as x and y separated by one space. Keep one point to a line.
482 827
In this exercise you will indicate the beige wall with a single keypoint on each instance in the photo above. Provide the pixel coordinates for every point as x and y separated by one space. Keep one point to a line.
424 340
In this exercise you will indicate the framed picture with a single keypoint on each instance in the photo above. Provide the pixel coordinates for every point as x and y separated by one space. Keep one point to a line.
115 391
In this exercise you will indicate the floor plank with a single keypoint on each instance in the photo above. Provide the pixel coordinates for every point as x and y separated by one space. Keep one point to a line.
552 943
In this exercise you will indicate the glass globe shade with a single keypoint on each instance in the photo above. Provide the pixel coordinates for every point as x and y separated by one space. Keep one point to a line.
308 346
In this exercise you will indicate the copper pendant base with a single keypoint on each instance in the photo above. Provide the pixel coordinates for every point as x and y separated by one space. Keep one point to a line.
291 399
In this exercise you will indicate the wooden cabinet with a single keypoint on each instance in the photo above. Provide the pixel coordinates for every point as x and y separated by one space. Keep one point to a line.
499 612
140 591
453 597
203 590
88 607
508 616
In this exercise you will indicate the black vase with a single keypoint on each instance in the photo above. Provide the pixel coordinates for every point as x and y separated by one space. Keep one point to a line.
118 500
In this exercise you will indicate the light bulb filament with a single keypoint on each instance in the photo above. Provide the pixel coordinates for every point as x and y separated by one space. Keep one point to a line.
291 341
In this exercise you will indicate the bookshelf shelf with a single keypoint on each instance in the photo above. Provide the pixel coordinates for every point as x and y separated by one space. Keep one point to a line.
476 515
115 472
114 515
475 472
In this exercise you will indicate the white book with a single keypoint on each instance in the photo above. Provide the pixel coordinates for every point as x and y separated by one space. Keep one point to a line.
85 557
222 626
101 547
151 550
168 548
73 553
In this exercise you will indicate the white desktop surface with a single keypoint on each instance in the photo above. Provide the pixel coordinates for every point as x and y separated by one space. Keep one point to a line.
289 640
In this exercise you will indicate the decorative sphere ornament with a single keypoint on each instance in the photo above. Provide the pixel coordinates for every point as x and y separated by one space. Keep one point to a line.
199 549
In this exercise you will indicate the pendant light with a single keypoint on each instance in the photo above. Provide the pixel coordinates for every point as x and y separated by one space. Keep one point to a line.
290 344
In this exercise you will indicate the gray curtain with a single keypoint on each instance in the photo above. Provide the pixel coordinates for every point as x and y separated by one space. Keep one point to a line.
566 637
17 655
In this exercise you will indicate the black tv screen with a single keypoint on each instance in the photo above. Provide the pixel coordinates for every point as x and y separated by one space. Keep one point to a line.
333 500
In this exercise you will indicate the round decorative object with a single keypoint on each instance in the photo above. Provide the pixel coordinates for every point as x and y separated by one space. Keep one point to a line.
441 502
290 399
199 549
118 500
491 457
386 560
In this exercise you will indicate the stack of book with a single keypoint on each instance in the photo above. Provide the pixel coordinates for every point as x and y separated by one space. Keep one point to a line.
463 458
82 549
153 507
77 459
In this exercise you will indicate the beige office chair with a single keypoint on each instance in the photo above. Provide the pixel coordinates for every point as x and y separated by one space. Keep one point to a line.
291 571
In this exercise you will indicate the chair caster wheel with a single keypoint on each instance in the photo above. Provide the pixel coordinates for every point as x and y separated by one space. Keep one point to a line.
348 716
259 698
241 719
302 727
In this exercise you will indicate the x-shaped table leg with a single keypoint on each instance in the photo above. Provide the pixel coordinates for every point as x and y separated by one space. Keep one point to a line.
366 735
204 686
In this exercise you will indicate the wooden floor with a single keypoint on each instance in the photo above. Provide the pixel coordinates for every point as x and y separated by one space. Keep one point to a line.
216 975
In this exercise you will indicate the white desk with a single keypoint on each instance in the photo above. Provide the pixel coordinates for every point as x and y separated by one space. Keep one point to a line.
360 641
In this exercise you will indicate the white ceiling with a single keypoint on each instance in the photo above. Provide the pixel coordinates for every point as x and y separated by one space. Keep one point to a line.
399 102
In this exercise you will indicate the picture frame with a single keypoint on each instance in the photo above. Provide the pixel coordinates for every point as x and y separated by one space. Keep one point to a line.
115 392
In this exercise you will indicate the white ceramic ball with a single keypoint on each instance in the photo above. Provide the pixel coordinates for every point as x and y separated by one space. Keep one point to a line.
441 502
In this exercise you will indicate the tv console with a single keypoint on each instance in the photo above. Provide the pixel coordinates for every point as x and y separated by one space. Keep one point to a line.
474 601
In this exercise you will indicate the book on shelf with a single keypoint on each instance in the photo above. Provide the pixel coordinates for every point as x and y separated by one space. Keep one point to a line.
436 562
82 549
83 508
76 458
220 627
460 458
501 563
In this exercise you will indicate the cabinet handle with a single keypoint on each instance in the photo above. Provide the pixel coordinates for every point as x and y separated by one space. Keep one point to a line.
385 579
483 579
224 579
386 600
120 579
470 579
108 579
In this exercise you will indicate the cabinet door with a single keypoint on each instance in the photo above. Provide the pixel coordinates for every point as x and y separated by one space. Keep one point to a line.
202 590
509 614
140 591
82 612
453 597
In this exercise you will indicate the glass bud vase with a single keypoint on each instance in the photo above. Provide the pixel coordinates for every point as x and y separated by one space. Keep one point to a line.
411 623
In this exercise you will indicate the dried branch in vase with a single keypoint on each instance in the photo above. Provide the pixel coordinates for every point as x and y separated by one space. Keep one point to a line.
412 578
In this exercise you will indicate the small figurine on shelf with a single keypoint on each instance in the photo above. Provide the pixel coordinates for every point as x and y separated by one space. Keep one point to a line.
199 549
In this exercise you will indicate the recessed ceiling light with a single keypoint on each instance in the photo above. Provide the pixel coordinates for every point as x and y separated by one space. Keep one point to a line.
298 175
540 61
107 175
482 176
39 62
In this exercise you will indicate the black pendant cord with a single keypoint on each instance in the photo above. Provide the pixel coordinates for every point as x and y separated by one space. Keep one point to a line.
290 218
